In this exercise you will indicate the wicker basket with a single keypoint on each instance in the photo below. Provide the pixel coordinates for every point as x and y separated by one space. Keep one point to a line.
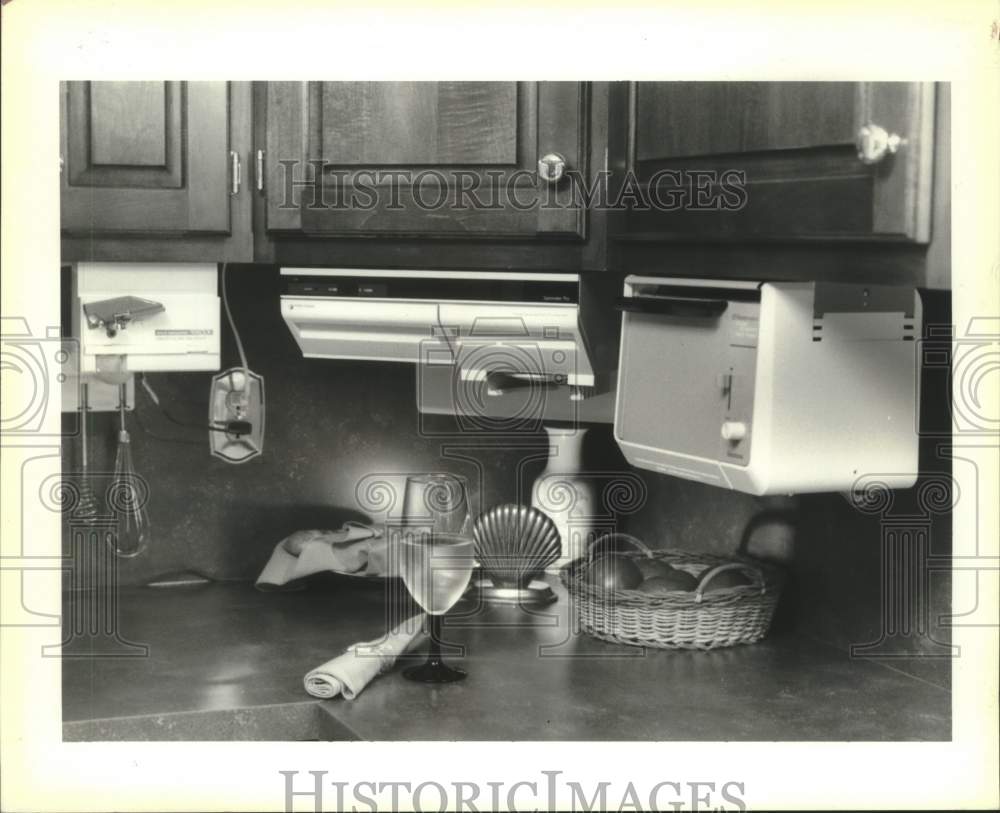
679 619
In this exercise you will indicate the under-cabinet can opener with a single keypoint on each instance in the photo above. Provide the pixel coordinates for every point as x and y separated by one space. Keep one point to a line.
115 314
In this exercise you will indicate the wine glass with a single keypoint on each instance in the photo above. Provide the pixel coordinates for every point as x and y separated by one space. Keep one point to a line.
436 569
436 554
436 503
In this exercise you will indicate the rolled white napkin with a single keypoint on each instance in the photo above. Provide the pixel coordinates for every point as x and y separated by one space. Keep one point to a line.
348 674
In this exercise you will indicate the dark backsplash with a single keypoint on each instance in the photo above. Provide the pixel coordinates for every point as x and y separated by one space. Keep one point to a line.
335 432
341 436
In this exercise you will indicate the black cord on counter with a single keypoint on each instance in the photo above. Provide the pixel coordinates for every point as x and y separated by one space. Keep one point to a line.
235 428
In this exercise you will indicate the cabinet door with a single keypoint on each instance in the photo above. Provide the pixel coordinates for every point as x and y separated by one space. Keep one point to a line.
392 158
146 157
796 144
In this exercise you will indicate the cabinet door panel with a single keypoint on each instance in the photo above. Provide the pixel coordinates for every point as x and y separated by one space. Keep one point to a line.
144 154
674 122
144 103
415 123
150 157
349 136
795 142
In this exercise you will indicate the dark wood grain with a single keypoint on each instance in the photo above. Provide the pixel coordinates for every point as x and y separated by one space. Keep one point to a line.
209 180
99 202
476 123
285 110
469 127
200 221
418 123
795 142
646 244
444 114
938 272
902 201
678 119
818 246
124 136
607 147
834 207
402 251
896 263
128 123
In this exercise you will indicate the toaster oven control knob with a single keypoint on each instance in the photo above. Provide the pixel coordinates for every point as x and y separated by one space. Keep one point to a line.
734 431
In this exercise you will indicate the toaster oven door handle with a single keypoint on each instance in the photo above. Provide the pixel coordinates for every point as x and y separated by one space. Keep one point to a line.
500 381
673 306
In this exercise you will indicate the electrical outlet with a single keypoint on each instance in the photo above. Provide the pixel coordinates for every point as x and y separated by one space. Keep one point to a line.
236 399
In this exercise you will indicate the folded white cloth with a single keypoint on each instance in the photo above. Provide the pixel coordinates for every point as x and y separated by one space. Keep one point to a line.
354 550
348 674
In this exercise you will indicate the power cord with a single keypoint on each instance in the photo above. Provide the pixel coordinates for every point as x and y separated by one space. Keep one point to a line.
232 326
235 428
137 416
236 399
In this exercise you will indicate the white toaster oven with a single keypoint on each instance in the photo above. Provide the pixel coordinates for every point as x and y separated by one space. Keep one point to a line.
769 387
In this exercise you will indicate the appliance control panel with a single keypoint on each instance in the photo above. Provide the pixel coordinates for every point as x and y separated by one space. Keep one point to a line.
740 325
554 289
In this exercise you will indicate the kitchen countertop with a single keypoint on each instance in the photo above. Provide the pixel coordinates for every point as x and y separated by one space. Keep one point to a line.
226 662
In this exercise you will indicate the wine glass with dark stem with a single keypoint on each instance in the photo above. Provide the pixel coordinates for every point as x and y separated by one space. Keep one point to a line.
436 553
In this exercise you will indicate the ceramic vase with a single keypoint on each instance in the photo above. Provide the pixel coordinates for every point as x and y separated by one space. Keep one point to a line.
564 495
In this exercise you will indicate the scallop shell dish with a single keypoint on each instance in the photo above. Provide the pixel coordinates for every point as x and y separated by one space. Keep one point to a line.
515 543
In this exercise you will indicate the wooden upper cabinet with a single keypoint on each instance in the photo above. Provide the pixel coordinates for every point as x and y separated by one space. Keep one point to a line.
422 159
796 144
150 158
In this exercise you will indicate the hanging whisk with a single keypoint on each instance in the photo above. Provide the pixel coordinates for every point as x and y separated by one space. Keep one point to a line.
86 506
128 495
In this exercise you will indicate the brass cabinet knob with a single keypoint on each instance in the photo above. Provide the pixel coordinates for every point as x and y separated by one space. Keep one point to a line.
551 167
874 143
